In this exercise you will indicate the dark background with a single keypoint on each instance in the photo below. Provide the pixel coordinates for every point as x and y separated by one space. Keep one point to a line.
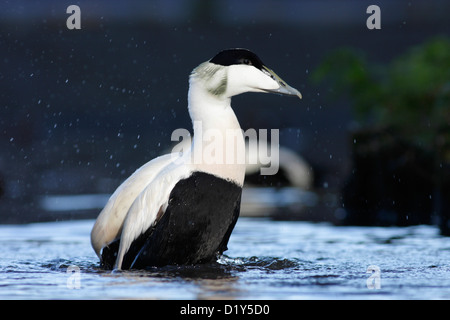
80 110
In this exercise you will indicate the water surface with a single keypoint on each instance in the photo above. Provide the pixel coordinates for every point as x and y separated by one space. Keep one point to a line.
266 260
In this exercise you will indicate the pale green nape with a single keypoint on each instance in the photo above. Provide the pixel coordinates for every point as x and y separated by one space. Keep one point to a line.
207 72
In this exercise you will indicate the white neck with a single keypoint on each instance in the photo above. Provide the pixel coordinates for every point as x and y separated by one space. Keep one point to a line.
214 120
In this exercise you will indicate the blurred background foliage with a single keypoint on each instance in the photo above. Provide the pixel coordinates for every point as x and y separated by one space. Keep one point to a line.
401 141
410 95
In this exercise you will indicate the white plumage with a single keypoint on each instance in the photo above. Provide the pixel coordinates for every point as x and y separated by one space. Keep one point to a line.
141 200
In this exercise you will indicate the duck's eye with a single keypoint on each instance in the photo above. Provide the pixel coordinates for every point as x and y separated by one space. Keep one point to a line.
246 61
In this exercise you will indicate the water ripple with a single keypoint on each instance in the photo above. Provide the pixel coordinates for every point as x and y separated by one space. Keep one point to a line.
301 260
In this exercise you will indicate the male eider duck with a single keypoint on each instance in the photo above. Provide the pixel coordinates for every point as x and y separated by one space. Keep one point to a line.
175 211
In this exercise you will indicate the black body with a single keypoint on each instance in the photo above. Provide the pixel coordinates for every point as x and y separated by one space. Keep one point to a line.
195 227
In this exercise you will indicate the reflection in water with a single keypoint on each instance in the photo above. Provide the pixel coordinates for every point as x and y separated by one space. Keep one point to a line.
213 280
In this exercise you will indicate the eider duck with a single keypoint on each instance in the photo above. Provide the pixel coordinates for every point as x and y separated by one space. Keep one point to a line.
176 211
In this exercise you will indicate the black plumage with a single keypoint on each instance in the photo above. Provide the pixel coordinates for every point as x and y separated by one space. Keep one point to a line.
230 57
195 228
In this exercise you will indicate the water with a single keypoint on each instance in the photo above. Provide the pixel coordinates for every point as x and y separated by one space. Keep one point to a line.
266 260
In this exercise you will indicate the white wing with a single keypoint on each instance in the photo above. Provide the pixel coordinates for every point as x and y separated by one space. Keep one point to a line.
110 220
145 208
